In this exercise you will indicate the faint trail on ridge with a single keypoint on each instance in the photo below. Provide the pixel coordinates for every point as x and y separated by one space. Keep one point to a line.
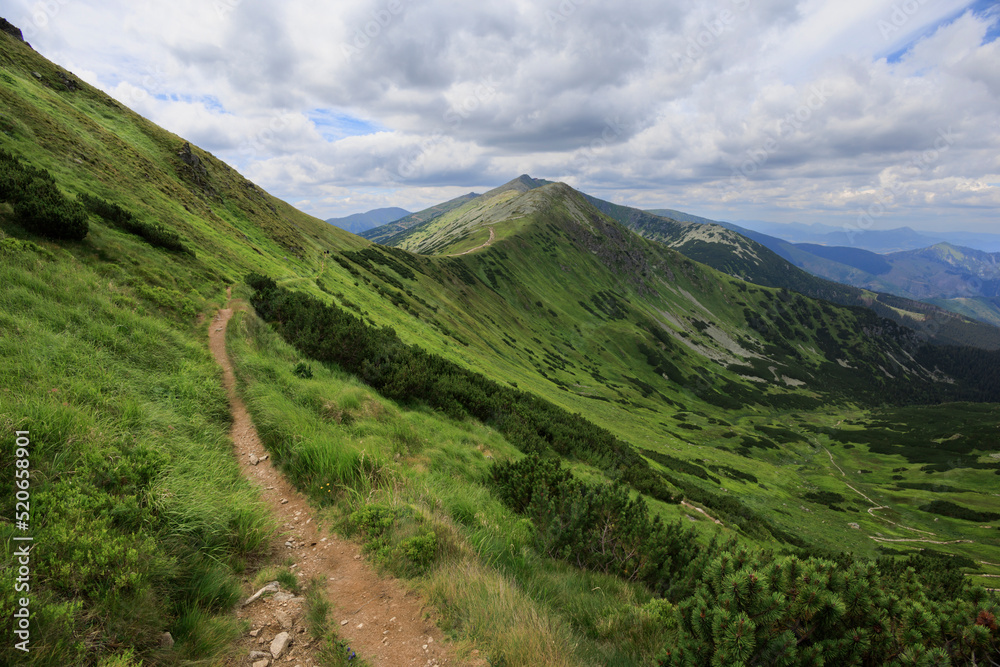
478 247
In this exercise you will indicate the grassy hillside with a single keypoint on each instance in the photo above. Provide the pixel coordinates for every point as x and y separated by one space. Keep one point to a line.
697 373
761 259
980 308
383 233
749 406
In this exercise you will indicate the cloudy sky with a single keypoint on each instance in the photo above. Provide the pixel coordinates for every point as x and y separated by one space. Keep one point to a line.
870 113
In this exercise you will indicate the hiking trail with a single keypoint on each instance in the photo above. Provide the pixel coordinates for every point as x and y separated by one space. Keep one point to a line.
383 622
876 507
489 242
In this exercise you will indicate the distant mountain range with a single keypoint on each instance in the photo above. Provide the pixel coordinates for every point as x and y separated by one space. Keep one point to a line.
362 222
880 241
962 280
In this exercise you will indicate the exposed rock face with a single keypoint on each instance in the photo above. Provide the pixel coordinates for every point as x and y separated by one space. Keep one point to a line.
70 84
195 169
190 159
11 30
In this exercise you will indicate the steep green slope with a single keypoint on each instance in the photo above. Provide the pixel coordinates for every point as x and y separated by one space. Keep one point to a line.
140 519
615 281
383 233
470 225
83 137
762 259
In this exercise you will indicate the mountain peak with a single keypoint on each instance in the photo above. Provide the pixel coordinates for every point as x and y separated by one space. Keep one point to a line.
522 183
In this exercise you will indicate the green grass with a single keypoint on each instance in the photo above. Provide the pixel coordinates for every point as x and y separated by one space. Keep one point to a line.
430 481
333 651
141 518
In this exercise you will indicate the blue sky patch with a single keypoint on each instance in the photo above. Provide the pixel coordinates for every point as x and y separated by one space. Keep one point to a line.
334 125
984 9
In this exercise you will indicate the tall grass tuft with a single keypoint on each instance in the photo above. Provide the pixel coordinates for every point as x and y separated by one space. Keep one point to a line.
134 492
511 628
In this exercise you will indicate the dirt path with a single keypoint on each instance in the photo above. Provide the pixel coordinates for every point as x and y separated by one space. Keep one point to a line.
489 241
698 509
876 507
383 622
890 539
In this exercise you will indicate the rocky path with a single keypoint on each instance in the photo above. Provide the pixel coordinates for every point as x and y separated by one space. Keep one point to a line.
384 623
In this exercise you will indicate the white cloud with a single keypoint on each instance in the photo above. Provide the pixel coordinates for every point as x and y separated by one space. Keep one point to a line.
782 109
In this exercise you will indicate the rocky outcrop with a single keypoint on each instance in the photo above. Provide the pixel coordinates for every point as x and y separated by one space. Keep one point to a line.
11 29
195 170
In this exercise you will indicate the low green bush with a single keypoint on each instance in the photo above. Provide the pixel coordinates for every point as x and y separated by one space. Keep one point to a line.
154 233
947 508
38 204
597 527
756 608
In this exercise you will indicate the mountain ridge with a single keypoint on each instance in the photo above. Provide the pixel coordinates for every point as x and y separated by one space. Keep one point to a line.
516 214
362 222
397 229
898 274
723 246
